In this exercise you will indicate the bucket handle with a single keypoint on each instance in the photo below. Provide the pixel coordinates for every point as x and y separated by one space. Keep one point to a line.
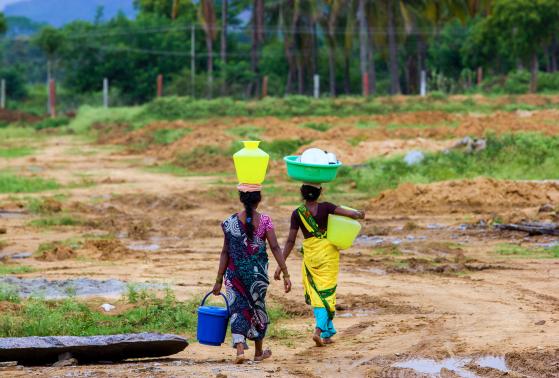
224 297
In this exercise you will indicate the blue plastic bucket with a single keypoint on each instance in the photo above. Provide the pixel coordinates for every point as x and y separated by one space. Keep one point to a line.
212 323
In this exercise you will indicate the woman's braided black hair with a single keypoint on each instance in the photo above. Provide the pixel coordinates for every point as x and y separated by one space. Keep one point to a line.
310 193
250 200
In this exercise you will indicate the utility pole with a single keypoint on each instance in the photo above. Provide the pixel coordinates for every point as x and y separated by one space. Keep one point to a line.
105 93
3 94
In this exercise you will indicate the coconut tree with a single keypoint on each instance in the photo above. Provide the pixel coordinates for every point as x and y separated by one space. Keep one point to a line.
206 15
223 54
328 20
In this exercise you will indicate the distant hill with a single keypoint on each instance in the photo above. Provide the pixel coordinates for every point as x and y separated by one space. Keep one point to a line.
60 12
18 26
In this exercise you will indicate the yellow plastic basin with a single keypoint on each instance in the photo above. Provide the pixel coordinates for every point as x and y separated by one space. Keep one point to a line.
342 231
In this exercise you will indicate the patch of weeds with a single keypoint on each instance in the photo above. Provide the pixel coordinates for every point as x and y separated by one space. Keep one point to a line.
246 132
56 221
149 313
438 96
51 123
283 147
13 132
14 269
10 183
354 141
170 169
410 226
87 116
169 136
191 158
391 250
318 126
511 157
8 293
15 152
367 124
46 205
49 246
514 250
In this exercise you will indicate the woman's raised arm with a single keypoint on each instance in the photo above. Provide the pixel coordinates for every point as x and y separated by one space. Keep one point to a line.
355 214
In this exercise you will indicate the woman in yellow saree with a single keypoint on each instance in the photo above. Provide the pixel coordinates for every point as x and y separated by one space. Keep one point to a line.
321 259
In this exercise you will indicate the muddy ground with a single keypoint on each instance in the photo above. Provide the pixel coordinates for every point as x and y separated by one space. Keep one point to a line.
423 291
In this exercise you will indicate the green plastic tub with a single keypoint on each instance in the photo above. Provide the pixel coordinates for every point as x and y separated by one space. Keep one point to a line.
312 173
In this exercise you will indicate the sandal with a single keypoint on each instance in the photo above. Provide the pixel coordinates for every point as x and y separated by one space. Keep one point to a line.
240 359
265 354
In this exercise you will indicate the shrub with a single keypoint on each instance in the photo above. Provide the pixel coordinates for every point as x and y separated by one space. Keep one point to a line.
517 82
50 123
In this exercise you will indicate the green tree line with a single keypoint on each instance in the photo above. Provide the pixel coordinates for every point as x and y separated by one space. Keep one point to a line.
209 48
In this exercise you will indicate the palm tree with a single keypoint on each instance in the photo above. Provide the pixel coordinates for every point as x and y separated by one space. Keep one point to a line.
224 45
257 40
363 43
392 46
328 20
207 17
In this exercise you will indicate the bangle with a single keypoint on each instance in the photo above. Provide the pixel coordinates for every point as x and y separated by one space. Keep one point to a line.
285 275
219 280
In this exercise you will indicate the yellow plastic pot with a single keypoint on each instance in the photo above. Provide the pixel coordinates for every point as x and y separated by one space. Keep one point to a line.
251 163
342 231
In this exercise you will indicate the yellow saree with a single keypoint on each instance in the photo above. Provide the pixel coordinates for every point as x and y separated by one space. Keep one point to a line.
321 265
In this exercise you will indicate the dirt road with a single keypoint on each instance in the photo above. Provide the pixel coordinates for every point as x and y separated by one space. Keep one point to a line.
415 287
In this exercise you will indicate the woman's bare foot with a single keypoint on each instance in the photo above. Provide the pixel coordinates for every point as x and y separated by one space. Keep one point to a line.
328 340
265 354
317 340
316 337
240 359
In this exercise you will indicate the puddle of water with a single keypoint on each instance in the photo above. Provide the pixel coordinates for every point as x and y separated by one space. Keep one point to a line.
144 247
434 226
12 214
375 241
456 365
428 366
80 287
493 362
356 314
549 245
376 271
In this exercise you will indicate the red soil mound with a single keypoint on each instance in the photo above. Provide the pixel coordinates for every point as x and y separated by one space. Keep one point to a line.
482 195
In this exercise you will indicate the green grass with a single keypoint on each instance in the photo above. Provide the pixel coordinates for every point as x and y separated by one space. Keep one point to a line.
8 294
367 125
190 158
48 246
169 136
87 116
318 126
14 269
445 124
56 221
51 123
12 132
506 157
246 132
514 250
10 183
169 169
149 313
47 205
15 152
283 147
